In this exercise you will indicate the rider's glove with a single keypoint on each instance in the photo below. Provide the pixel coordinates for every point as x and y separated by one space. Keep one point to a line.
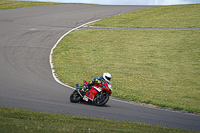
90 82
97 81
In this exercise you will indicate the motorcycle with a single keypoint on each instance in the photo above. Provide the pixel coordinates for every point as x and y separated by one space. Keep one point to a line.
97 94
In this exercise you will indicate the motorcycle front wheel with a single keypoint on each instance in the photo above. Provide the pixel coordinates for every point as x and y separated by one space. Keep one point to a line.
101 99
75 97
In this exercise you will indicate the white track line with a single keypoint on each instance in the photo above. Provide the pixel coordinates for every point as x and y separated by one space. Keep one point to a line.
50 57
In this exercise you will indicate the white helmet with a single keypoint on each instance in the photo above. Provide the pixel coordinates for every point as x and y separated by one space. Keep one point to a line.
107 77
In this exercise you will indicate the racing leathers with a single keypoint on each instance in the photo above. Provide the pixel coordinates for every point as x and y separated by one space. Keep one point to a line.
96 80
99 80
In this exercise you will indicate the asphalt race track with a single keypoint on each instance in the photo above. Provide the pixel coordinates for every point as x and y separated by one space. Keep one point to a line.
27 36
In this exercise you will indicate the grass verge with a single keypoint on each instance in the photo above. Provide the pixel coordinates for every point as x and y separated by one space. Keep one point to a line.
11 4
17 120
175 16
159 67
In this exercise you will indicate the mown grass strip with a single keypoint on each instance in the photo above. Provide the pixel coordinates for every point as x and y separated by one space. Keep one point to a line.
17 120
175 16
159 67
11 4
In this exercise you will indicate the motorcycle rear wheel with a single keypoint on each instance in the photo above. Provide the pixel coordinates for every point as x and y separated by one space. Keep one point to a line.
75 97
101 99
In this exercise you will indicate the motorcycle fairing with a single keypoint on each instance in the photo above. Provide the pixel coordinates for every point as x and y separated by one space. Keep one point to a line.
91 93
97 89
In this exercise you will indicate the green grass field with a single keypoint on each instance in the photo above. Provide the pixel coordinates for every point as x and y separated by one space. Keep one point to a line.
160 67
175 16
23 121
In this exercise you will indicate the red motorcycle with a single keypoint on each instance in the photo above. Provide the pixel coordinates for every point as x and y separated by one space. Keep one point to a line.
98 94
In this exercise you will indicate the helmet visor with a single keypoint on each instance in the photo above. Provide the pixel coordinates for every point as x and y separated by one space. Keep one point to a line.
108 78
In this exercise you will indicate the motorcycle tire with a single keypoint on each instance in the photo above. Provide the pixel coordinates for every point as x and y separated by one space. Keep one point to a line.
101 99
75 97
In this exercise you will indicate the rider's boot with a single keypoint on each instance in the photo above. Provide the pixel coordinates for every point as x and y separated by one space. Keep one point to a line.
84 89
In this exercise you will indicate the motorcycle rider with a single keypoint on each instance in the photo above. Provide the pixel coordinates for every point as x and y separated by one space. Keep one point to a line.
106 77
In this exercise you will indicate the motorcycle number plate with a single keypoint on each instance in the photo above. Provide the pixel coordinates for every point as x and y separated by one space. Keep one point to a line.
85 98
